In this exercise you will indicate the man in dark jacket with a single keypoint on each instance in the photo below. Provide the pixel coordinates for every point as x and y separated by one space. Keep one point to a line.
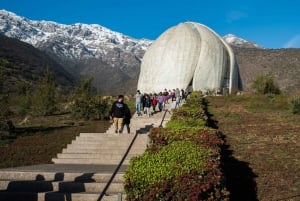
117 113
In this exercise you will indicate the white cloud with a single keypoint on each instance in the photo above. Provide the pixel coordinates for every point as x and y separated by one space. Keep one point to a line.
235 16
293 42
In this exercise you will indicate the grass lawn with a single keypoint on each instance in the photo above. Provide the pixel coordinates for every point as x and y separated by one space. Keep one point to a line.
262 153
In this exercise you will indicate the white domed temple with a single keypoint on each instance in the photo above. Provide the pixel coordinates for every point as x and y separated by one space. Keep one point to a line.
189 55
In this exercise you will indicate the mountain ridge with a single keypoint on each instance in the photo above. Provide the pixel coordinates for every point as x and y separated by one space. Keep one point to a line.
114 59
74 45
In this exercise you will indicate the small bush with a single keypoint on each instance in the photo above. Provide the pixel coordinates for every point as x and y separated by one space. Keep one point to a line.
188 125
294 104
86 105
265 84
194 111
205 137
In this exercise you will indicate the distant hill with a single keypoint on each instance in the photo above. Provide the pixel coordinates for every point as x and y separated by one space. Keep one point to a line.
27 64
282 64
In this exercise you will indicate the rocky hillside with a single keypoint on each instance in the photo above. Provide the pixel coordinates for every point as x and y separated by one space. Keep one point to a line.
282 64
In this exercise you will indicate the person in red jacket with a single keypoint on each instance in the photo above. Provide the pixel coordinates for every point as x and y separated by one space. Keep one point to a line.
154 102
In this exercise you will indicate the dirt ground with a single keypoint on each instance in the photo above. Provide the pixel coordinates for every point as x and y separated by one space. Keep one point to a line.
42 138
262 152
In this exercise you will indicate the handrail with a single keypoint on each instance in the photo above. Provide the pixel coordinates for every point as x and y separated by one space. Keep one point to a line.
162 120
103 193
117 168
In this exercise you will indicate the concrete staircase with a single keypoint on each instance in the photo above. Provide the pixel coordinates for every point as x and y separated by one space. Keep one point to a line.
83 169
50 186
101 148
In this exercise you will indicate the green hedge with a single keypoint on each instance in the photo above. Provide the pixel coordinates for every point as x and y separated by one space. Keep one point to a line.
182 161
171 161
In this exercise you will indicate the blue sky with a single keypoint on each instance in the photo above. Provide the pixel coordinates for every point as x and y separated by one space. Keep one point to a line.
271 24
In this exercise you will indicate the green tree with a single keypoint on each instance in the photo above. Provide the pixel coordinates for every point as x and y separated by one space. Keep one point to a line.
44 100
265 84
85 104
101 107
4 103
24 98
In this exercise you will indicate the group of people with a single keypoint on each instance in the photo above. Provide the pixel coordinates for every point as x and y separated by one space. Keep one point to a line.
120 113
143 102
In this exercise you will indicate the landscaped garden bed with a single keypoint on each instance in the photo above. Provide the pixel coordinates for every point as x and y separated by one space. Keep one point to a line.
182 161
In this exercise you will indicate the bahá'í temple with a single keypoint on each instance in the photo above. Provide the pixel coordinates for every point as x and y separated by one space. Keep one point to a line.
189 55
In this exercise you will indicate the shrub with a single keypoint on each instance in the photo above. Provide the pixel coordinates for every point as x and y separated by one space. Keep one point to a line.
86 105
194 111
44 100
265 84
178 158
188 125
206 137
294 104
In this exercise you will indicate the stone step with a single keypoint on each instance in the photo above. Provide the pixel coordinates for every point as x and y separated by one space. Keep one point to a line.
120 142
107 135
132 128
95 156
118 145
66 187
99 149
87 161
56 196
103 147
59 176
118 137
93 150
103 135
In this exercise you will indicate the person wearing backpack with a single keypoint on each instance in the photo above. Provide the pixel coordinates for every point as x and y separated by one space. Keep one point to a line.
117 113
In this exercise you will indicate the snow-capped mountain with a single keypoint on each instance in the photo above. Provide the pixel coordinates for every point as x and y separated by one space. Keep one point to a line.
239 42
76 41
81 41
